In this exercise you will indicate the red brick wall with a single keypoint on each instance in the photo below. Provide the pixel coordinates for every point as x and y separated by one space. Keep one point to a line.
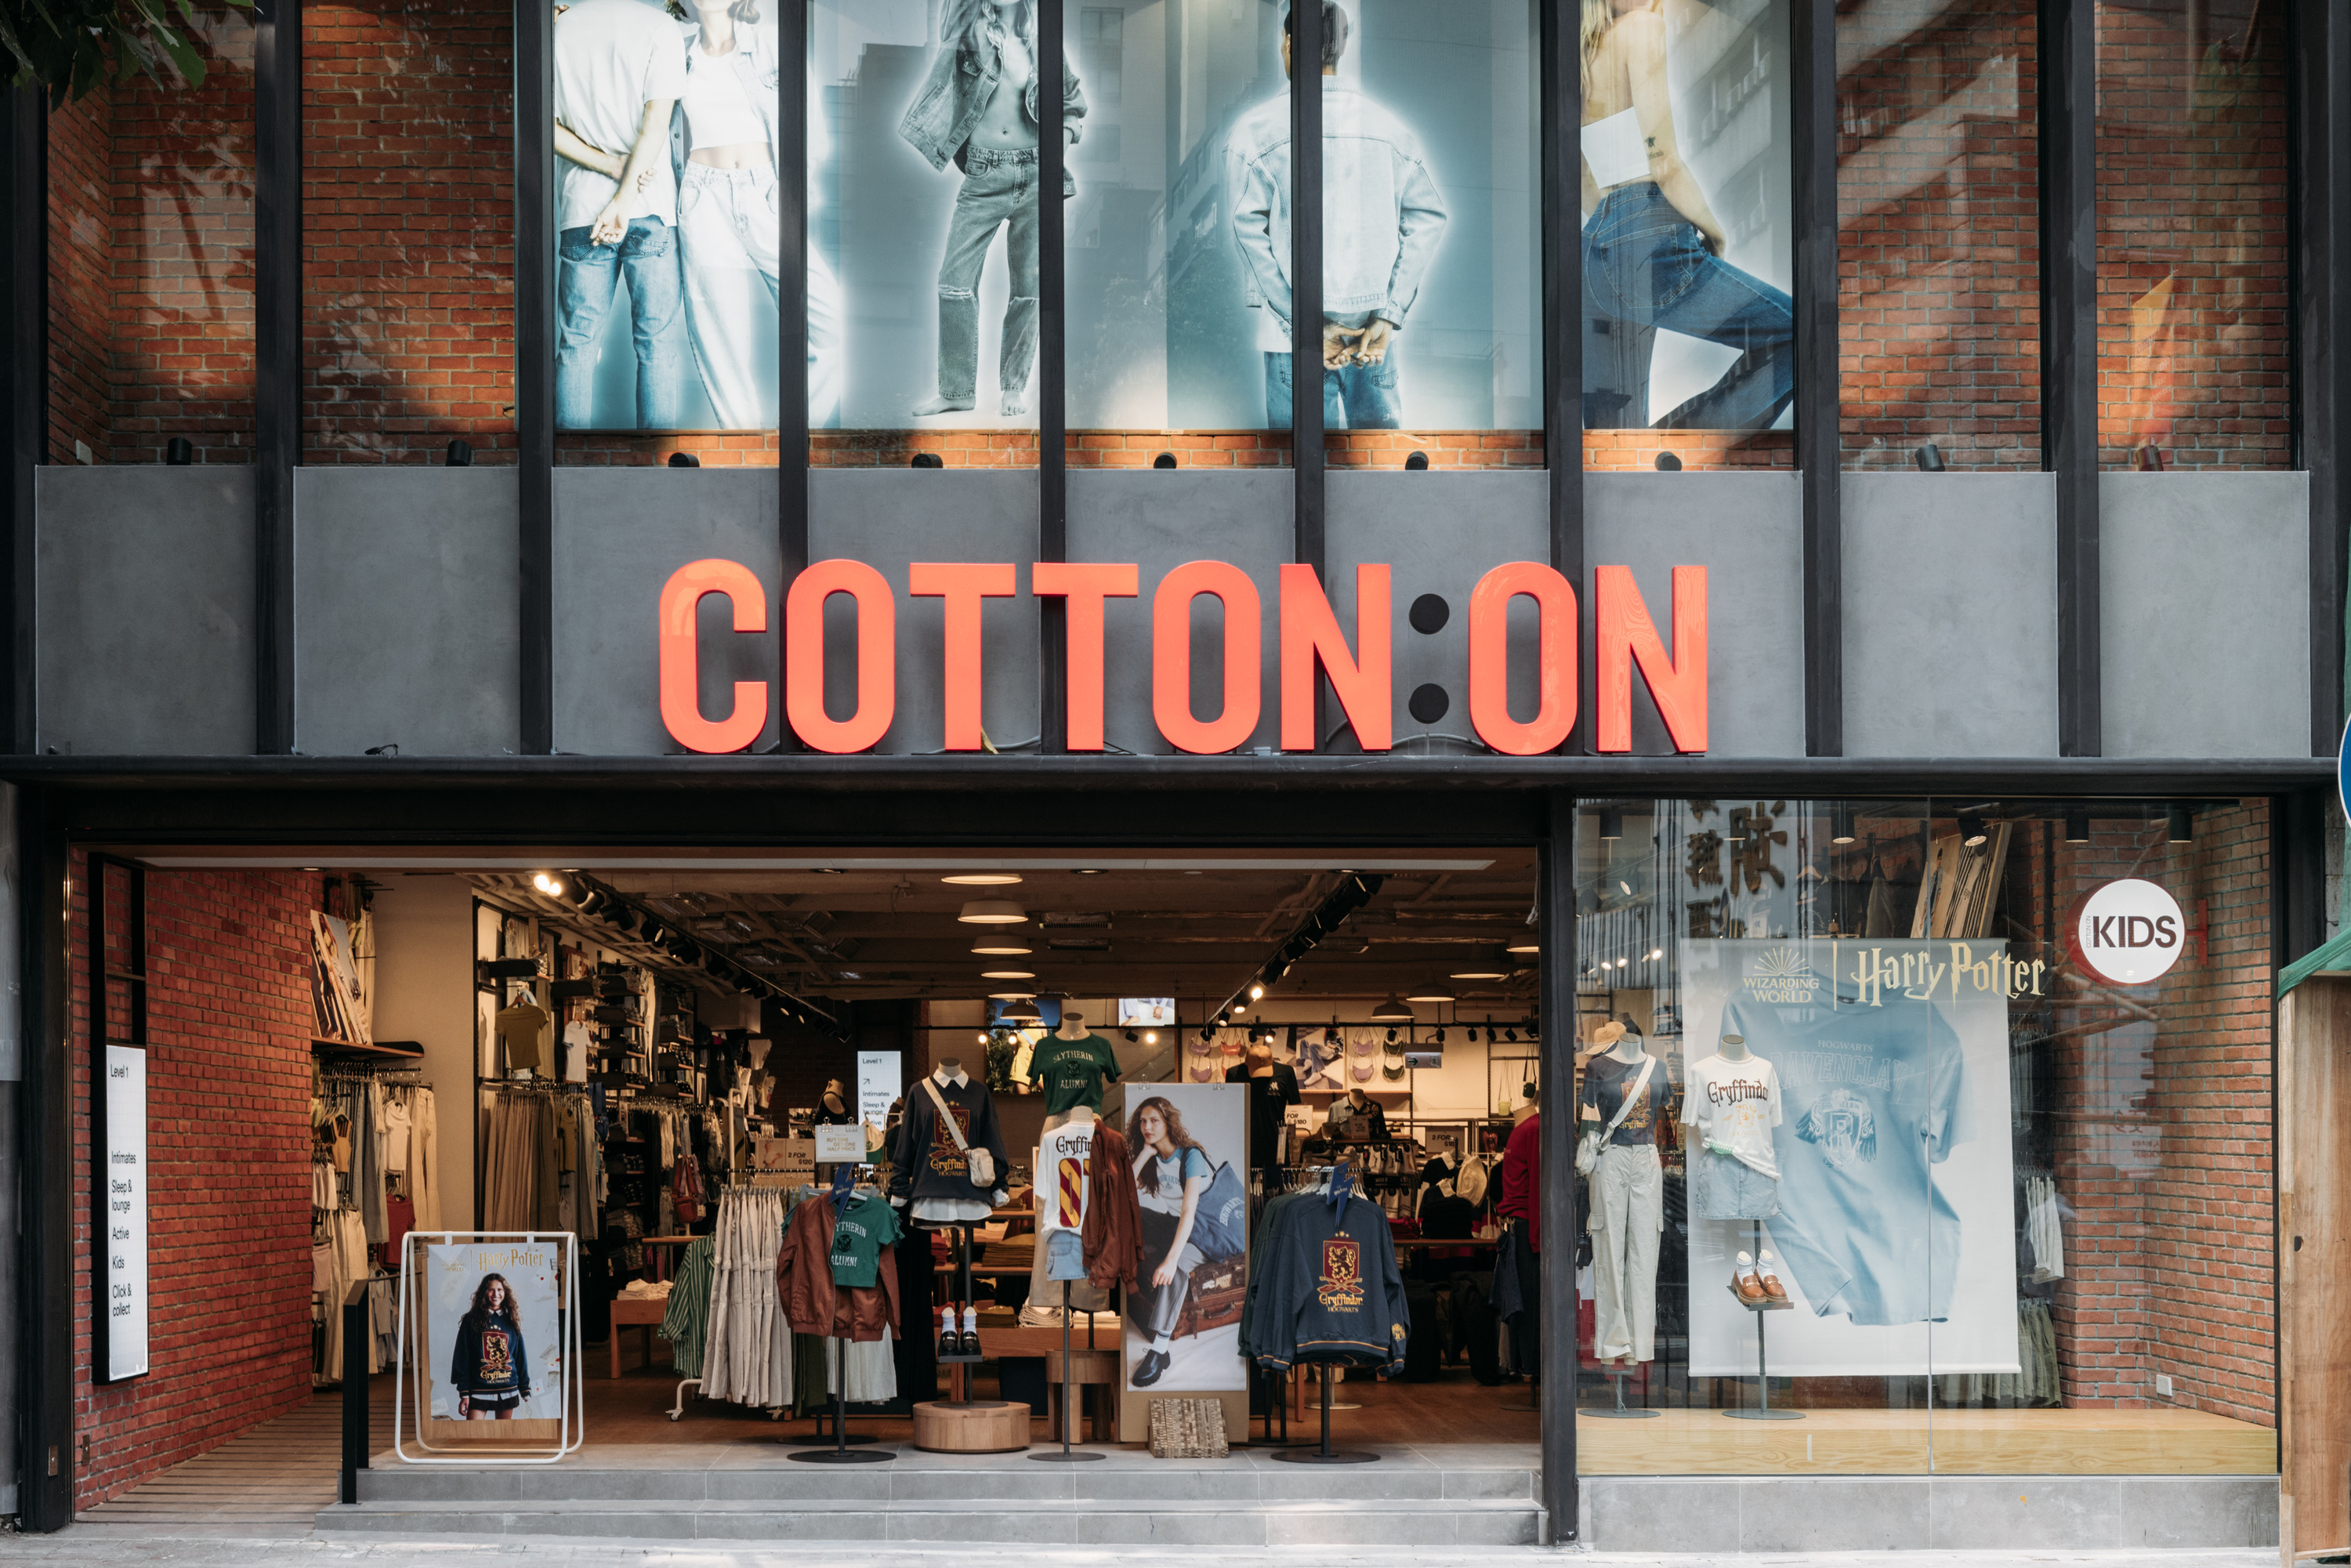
1938 243
2164 1145
2192 349
81 302
408 224
229 1176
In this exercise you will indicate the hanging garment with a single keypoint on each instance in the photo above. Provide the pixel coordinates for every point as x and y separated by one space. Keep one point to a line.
1112 1232
871 1369
687 1325
1331 1290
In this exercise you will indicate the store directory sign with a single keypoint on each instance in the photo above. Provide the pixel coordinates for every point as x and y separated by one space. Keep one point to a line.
123 1294
877 1086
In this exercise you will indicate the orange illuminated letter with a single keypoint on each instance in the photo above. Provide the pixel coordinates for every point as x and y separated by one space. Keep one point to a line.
1490 658
1171 656
1310 631
1085 586
1625 636
877 668
963 587
681 661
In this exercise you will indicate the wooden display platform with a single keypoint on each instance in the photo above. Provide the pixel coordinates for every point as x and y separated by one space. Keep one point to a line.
2171 1442
635 1312
980 1426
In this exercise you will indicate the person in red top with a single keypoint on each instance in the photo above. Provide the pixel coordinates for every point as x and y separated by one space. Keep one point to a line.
1522 1174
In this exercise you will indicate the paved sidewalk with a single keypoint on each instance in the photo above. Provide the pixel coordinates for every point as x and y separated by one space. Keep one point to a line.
97 1546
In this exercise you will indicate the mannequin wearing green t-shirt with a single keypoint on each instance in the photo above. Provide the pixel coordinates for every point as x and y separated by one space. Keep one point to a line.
1072 1066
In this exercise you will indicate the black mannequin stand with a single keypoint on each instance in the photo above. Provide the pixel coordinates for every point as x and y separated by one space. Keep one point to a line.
1066 1455
1324 1454
1762 1411
841 1453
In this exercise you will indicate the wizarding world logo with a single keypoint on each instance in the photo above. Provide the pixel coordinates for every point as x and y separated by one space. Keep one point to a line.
1784 975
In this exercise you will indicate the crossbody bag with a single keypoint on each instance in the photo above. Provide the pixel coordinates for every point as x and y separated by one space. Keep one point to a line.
1587 1151
981 1163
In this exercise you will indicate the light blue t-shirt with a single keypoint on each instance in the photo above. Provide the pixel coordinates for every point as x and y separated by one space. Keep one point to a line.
1170 1173
1873 1099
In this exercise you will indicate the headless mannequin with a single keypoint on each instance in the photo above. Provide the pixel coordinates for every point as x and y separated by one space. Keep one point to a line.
1073 1027
833 1101
1260 1060
1732 1048
947 1068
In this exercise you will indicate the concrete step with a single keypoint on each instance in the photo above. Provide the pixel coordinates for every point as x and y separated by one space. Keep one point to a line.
1058 1521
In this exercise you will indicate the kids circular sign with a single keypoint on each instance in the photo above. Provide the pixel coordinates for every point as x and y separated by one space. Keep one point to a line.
2128 933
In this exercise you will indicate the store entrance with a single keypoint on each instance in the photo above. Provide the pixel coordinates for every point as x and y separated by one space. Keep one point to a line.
846 1133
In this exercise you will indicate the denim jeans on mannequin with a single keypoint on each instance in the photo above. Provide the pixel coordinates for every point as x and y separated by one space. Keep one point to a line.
998 188
1646 267
1360 397
648 256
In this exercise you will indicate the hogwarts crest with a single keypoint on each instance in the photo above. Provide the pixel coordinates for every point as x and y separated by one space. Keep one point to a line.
1341 1285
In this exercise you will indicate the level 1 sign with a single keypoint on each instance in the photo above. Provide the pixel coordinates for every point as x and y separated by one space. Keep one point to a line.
123 1310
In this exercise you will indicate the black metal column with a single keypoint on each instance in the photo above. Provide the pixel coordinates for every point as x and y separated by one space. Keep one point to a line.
2319 45
278 360
1820 440
45 1240
2069 353
1306 456
1052 379
791 318
1560 1307
1560 120
24 387
534 304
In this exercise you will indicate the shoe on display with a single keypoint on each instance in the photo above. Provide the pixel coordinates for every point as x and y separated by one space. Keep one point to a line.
1745 1285
1154 1363
1768 1276
949 1341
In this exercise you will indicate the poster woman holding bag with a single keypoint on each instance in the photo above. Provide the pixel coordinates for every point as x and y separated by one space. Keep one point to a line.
1181 1223
488 1367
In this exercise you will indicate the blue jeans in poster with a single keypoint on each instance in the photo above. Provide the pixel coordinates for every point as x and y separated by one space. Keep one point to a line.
1360 397
648 256
1646 267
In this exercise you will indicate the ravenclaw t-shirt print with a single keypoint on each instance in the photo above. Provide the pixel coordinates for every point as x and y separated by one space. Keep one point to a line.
1872 1100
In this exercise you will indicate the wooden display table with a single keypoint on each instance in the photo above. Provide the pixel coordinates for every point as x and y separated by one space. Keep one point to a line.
636 1311
1088 1369
977 1427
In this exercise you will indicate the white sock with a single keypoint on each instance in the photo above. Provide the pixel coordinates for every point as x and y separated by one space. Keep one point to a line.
1162 1344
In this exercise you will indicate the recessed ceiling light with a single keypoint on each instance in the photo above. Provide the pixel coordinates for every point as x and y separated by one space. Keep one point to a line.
1430 996
1008 974
980 879
1523 948
1010 996
1090 870
992 911
999 947
1480 975
828 871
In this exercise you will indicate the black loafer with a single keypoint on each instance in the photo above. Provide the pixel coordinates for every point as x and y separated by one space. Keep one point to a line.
1154 1363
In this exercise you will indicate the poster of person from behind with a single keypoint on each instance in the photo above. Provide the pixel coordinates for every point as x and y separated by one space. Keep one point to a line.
669 227
1686 193
1182 1320
493 1343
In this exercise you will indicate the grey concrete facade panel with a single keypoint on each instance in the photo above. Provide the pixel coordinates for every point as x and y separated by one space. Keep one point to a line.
891 518
144 609
1440 532
1160 520
1950 614
2204 621
1746 529
407 612
620 533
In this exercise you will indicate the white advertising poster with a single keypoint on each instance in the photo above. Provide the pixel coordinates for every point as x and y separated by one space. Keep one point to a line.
493 1344
1191 1175
879 1075
1894 1229
125 1212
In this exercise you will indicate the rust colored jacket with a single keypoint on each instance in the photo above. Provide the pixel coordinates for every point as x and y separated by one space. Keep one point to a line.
804 1282
1112 1234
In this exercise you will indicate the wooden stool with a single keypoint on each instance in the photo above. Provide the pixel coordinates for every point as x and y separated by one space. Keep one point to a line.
1088 1369
636 1311
983 1427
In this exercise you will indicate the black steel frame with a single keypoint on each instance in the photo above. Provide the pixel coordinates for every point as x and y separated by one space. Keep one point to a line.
534 298
1052 377
1820 439
278 360
1559 119
2318 46
792 314
24 389
2069 353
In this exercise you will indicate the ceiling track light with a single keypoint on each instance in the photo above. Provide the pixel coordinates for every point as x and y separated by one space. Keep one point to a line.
2182 829
1972 832
1612 824
1840 824
2077 827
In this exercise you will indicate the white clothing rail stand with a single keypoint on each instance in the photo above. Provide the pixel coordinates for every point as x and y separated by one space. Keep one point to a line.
570 1389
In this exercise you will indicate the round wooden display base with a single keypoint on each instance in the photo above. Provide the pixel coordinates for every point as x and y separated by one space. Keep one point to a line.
980 1426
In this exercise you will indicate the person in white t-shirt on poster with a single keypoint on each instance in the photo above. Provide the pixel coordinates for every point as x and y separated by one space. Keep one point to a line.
619 70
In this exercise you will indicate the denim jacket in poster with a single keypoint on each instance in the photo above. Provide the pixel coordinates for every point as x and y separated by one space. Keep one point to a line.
961 85
1382 214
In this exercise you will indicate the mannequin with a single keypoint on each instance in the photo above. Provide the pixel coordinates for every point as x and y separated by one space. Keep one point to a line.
1070 1067
1627 1191
832 1108
1356 1116
1067 1134
1731 1107
1272 1090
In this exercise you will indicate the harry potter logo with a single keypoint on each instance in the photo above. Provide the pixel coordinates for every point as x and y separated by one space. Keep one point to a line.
946 1158
1341 1285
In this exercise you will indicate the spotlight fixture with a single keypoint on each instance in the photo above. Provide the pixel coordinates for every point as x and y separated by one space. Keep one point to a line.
1840 824
1208 1031
1529 946
1510 1035
1130 1036
2183 825
980 879
1534 1029
1440 1037
1391 1036
1151 1037
1971 831
548 885
983 1039
1612 824
1225 1017
1391 1011
993 912
2077 827
1090 870
1008 974
1256 991
1655 954
1006 946
1473 1034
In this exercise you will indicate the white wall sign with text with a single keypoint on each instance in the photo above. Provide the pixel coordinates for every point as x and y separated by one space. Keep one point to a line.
878 1082
2129 933
123 1290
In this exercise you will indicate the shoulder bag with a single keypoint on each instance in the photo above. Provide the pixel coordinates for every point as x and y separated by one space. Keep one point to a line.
982 1163
1587 1151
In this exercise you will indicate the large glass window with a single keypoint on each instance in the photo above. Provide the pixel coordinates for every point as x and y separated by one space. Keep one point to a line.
1952 1151
150 263
2192 236
408 231
1689 327
1939 244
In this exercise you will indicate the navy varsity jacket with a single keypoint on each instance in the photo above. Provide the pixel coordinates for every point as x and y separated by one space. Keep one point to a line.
1330 1290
